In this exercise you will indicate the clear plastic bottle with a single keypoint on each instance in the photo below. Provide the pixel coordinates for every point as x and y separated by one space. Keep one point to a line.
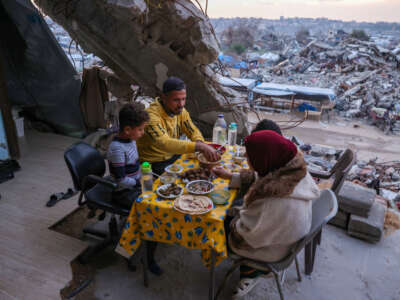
232 134
147 178
219 130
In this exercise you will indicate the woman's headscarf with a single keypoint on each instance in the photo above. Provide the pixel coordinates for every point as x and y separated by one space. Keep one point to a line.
268 151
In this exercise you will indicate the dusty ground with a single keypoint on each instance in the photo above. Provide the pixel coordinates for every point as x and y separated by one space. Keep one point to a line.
368 141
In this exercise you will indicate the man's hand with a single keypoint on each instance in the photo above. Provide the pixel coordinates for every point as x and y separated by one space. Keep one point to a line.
209 152
221 172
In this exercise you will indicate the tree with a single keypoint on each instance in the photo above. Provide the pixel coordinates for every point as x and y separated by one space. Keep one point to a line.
238 48
359 34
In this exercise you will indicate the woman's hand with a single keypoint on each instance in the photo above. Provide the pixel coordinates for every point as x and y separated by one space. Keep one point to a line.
221 172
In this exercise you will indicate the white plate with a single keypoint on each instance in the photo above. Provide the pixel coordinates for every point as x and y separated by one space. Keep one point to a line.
168 169
211 206
165 186
199 193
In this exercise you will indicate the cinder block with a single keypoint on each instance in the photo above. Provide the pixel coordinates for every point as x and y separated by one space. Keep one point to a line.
371 228
340 220
355 199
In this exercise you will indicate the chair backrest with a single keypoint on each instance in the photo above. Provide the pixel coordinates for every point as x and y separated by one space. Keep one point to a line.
83 160
323 209
342 168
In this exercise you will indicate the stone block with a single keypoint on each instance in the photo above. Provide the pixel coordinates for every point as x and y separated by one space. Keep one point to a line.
371 228
340 220
355 199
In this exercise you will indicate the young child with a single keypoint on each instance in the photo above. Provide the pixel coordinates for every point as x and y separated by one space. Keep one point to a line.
122 155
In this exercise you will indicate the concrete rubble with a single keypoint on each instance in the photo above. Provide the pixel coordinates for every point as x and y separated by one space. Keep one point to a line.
364 74
144 44
370 190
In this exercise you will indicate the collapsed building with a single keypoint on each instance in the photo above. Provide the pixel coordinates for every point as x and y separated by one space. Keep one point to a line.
144 42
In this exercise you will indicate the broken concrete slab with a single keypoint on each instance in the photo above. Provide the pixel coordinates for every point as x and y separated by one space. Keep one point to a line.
144 44
371 228
356 199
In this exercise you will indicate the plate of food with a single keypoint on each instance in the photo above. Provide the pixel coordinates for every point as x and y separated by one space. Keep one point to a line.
197 174
193 204
169 191
200 187
174 169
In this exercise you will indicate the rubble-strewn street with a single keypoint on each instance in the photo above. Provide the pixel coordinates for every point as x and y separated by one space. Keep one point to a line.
365 74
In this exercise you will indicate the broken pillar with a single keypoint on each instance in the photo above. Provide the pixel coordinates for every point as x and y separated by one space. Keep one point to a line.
356 199
145 42
371 228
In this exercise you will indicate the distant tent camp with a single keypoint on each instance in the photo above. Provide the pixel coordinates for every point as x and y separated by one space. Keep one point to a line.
38 76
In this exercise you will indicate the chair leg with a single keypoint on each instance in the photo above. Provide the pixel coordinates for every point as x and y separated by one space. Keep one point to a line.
318 237
314 251
283 276
297 268
278 283
308 257
227 276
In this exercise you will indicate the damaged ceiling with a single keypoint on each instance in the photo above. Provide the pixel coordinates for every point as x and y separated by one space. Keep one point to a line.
145 42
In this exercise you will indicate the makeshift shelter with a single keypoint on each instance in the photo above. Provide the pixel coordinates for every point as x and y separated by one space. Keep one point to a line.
39 79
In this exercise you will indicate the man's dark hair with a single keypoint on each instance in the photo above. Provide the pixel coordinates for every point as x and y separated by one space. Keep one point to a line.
173 84
133 115
267 125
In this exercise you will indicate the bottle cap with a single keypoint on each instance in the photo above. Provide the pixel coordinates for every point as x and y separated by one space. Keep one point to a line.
146 167
220 115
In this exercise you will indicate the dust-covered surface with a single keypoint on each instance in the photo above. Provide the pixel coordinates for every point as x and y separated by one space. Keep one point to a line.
345 268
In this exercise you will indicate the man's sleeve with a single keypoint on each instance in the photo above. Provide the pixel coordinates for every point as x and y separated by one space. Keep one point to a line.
163 141
191 131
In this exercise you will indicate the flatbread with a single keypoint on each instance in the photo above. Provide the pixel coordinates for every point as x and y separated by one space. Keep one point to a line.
193 204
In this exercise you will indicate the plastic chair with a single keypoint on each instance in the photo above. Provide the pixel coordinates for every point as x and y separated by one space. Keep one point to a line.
323 209
339 170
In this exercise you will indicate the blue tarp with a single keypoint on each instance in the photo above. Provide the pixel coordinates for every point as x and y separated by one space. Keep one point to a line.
299 92
232 62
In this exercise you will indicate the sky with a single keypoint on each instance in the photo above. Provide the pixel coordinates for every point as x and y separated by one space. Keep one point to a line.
347 10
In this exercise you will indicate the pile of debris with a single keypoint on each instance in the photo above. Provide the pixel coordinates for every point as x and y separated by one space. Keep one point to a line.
363 74
370 192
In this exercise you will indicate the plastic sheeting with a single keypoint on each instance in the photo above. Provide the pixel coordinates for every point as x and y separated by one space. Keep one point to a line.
299 92
41 78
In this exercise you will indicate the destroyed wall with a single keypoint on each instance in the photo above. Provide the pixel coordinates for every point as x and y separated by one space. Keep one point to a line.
145 42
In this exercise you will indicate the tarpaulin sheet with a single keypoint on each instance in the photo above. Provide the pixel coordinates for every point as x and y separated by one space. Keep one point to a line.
41 78
299 92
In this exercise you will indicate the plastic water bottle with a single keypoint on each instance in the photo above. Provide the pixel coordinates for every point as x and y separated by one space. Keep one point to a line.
232 134
147 178
219 130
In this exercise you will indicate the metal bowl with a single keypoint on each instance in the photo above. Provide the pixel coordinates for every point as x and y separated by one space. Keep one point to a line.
190 185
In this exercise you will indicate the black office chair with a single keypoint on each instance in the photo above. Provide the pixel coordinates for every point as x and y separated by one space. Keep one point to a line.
87 168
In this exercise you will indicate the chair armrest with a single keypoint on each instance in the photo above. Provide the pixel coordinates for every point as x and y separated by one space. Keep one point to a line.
103 181
319 174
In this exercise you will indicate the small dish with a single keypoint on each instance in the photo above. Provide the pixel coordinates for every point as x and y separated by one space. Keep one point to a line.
168 178
200 187
204 163
219 196
174 169
164 187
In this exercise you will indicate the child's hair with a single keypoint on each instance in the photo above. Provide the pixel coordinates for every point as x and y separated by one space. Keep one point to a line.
267 125
133 115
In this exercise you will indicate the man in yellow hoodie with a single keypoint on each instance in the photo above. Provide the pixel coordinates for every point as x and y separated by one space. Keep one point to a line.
160 145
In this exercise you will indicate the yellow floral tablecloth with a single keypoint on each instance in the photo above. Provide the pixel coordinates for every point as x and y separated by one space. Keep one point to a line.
153 218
